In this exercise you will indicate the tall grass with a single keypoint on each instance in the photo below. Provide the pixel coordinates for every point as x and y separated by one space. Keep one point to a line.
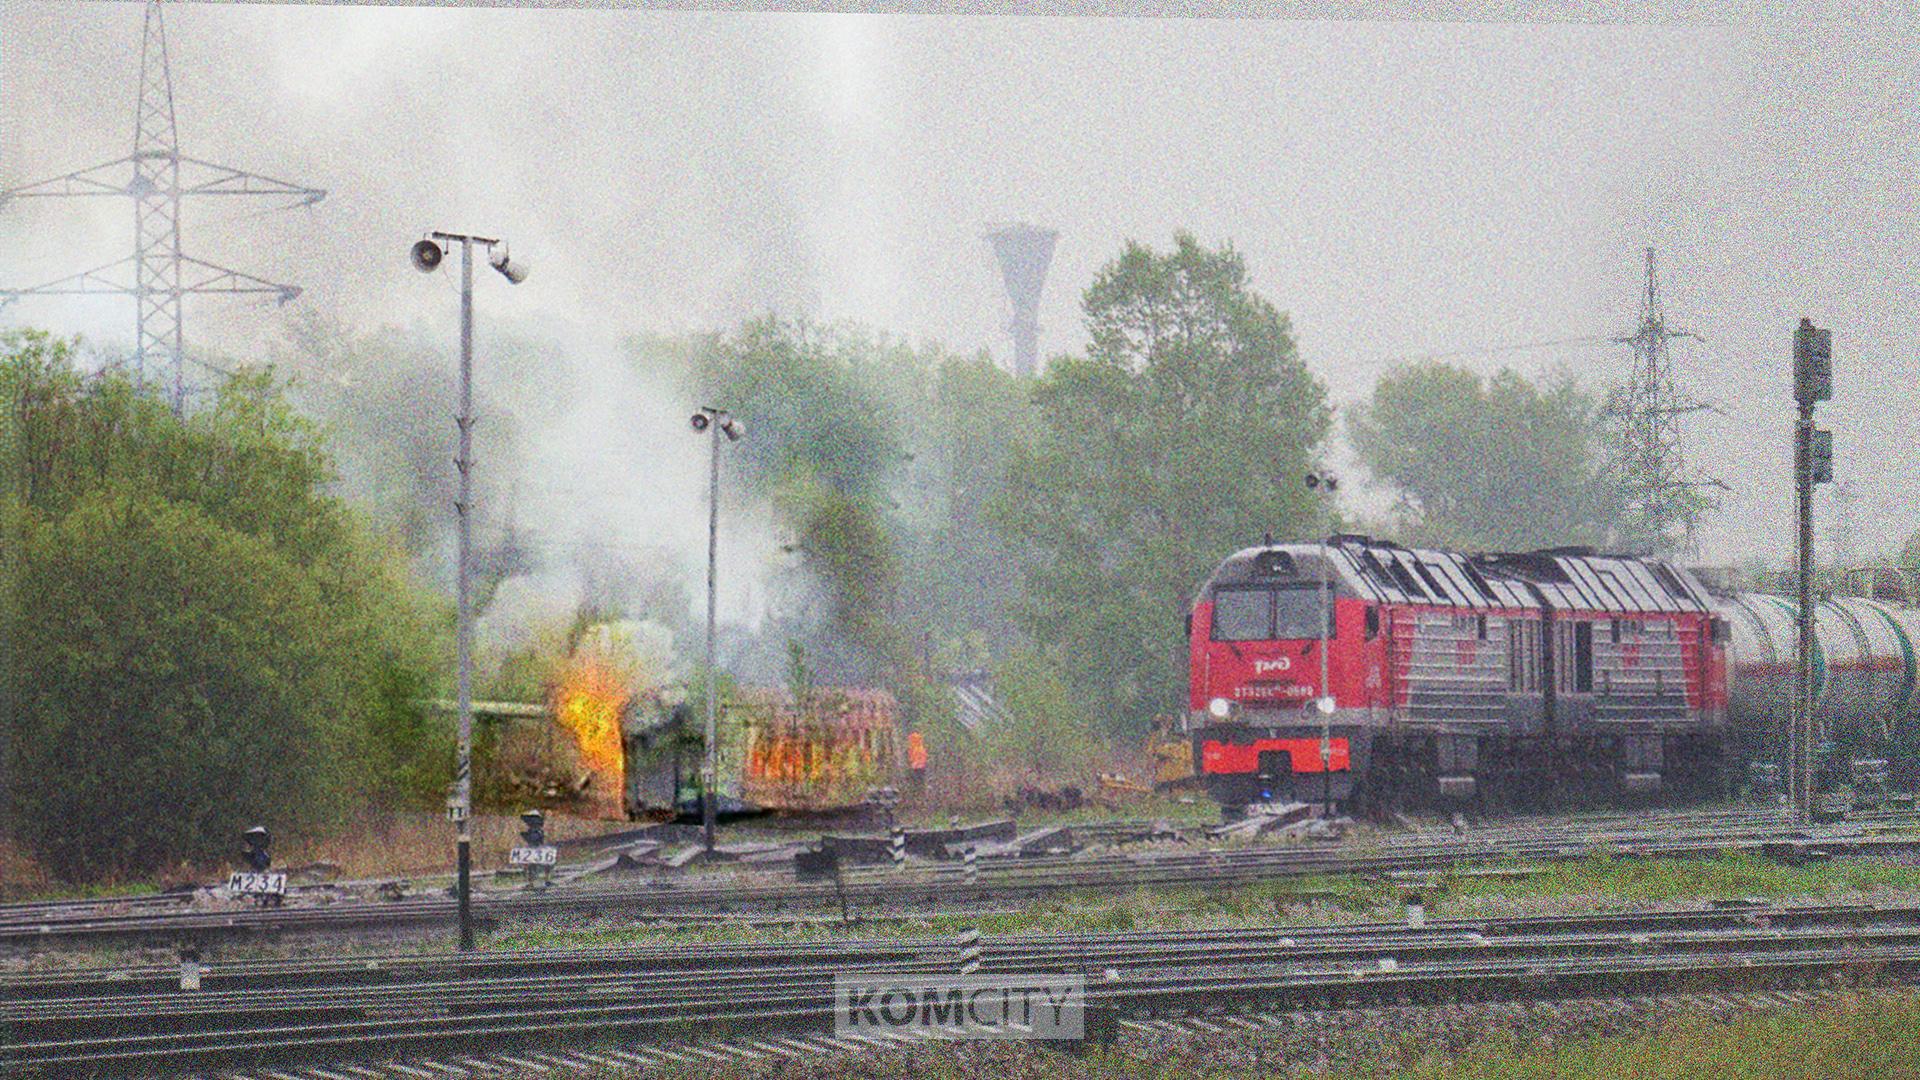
1875 1038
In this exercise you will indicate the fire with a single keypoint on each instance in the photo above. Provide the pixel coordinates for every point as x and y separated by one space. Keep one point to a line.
589 698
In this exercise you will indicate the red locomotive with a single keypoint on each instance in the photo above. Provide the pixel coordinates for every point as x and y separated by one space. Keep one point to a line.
1449 676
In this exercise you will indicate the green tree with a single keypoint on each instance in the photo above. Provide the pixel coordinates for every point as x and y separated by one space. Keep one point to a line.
972 415
198 637
1182 436
1051 736
1499 463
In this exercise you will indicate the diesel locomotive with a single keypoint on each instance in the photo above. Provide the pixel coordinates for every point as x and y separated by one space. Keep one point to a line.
1364 673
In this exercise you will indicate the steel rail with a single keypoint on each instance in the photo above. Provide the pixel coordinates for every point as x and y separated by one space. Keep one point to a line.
34 924
251 1035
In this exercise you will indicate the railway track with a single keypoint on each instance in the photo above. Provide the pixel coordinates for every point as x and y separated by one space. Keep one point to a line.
173 918
262 1018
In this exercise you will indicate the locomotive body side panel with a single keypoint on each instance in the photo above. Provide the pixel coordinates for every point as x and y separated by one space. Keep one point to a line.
1463 671
1447 669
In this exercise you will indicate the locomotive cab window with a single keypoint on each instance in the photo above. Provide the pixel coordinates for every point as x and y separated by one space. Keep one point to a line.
1287 613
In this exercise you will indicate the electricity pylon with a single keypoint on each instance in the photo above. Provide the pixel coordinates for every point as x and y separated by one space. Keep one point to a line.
1662 501
157 177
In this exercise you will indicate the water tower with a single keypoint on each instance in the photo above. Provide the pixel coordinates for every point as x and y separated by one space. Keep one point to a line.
1024 252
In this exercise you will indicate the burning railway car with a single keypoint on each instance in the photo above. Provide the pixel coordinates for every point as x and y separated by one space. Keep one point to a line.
1500 677
773 755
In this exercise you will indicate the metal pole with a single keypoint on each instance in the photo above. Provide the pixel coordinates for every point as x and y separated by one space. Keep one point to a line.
463 782
707 809
1801 741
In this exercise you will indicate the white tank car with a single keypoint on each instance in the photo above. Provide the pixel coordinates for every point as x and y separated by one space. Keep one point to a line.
1863 669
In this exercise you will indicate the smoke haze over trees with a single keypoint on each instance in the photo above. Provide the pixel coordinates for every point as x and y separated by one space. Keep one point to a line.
1405 187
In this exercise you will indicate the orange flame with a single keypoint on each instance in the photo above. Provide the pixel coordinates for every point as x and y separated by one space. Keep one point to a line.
589 699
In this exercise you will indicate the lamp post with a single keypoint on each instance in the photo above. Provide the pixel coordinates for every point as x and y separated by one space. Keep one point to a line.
427 255
1324 704
710 417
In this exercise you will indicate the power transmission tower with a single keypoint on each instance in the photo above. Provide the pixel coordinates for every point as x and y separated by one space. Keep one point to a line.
157 177
1661 500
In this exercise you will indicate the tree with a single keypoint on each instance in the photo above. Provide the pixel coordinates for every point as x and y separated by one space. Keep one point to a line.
972 417
1182 436
1050 735
198 637
1498 463
879 459
386 400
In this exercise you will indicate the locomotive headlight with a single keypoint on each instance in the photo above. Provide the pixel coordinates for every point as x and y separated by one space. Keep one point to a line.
1220 708
1325 705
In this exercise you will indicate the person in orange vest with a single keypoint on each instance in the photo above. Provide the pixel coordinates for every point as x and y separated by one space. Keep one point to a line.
917 760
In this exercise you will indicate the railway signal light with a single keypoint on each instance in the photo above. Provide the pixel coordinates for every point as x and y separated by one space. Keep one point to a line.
535 833
1820 456
256 854
1812 364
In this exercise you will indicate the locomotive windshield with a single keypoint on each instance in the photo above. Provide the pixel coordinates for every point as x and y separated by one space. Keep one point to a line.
1266 613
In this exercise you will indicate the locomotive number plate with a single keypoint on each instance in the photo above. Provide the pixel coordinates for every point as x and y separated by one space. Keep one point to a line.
251 884
533 856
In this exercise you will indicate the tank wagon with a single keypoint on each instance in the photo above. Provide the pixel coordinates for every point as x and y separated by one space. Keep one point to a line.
1511 678
1863 674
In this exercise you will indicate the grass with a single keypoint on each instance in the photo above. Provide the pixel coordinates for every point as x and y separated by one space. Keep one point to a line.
1602 880
1875 1037
374 844
1195 811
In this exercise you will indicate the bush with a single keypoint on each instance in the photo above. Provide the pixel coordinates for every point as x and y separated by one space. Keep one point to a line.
174 684
1051 737
197 637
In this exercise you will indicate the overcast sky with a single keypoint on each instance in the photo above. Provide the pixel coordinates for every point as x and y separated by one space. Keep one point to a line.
1397 187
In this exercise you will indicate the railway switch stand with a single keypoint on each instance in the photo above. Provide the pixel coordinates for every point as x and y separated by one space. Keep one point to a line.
270 888
535 853
886 798
255 854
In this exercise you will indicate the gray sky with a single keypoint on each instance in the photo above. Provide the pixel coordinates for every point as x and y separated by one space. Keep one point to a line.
1399 188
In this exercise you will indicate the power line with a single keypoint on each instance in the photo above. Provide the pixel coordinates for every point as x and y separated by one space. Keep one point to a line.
1492 350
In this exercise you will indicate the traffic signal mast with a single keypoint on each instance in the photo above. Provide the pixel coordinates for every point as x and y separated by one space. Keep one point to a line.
1812 464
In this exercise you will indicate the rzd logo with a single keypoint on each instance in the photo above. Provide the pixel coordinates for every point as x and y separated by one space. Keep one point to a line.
1261 667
